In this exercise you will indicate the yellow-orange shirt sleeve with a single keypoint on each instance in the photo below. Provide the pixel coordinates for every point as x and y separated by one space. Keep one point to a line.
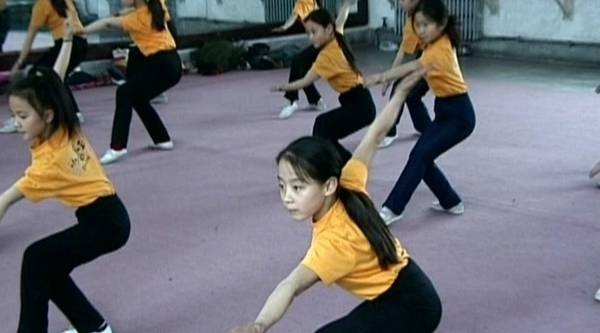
39 182
330 257
355 176
304 7
39 14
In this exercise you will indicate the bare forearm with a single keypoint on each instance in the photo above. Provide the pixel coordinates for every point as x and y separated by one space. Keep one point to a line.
8 198
276 305
26 49
102 24
398 59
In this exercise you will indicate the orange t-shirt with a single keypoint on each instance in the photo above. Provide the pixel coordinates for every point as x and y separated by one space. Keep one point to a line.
66 169
411 43
445 77
332 65
340 253
304 7
149 40
43 14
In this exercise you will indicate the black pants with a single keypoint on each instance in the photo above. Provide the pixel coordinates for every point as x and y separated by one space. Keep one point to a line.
147 77
78 54
300 65
416 107
411 305
103 227
454 121
357 110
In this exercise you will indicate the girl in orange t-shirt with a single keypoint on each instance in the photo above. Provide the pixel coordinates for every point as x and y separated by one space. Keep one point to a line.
454 114
410 49
65 167
335 63
153 66
302 61
351 246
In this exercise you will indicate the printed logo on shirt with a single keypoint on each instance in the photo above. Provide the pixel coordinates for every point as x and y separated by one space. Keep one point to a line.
79 162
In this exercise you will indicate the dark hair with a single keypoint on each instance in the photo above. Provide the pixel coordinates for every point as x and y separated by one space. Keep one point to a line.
317 159
158 14
60 6
323 18
437 11
44 90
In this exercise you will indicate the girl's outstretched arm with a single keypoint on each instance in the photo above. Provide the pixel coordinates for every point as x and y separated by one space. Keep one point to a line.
307 80
61 64
25 49
368 146
299 280
393 73
340 20
287 24
103 24
8 198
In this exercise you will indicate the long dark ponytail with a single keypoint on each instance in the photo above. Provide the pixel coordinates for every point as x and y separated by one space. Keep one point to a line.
44 90
323 18
60 6
158 14
437 11
317 159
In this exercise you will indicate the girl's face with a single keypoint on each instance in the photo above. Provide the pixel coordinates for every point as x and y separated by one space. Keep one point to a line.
27 120
427 29
318 34
302 199
409 6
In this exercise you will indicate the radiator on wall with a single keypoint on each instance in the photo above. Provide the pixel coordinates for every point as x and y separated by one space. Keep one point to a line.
469 14
277 11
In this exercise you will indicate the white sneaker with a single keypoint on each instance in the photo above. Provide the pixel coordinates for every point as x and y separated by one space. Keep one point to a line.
319 107
80 117
597 296
160 99
456 210
9 126
106 330
112 155
287 111
388 216
167 145
387 141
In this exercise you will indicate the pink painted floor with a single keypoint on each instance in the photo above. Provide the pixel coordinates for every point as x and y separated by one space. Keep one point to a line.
210 238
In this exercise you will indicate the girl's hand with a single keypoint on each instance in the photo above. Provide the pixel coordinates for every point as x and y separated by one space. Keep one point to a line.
278 87
385 87
595 170
374 79
278 29
15 69
598 89
249 328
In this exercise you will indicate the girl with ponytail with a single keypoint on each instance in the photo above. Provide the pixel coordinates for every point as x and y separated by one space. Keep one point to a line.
153 67
336 64
351 246
454 114
64 167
